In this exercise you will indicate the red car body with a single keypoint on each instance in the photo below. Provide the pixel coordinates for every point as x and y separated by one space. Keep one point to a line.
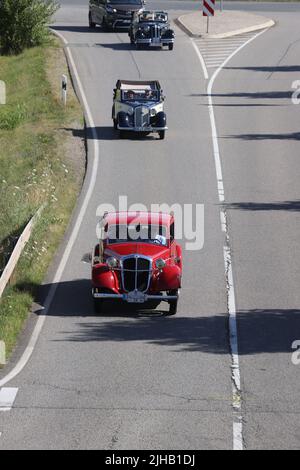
137 269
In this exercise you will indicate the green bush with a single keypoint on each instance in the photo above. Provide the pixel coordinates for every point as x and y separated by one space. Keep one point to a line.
23 23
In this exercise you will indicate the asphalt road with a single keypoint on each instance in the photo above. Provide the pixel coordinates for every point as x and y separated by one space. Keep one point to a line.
133 380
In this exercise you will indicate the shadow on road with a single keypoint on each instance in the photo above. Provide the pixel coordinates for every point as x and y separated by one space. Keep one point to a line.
122 46
259 331
290 136
292 206
250 95
273 69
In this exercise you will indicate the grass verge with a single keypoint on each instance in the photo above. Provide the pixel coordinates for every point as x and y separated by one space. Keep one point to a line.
42 153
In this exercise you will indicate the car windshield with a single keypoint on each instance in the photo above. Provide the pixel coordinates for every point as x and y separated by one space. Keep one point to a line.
125 2
153 16
143 233
140 95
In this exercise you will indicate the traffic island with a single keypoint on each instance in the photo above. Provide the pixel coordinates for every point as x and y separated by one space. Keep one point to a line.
223 24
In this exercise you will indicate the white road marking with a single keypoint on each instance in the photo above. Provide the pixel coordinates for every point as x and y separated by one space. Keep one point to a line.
233 337
7 398
39 325
215 51
199 55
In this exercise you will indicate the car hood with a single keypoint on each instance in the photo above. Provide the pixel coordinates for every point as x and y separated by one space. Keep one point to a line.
146 249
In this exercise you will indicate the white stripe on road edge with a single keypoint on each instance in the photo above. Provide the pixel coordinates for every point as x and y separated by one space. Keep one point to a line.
41 320
7 398
233 338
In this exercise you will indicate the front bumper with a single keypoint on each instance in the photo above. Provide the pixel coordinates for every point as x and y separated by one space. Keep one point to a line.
135 297
142 129
150 42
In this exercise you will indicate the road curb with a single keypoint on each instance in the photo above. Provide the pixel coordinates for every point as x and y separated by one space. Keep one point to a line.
180 23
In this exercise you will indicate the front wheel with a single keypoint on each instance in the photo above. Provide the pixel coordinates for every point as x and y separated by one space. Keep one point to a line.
171 47
91 23
98 304
173 303
162 135
105 25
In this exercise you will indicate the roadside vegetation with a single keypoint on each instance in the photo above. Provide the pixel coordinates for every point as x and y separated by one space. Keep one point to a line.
42 161
23 23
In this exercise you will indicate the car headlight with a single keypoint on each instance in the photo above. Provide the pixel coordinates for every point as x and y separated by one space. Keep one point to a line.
160 263
130 111
111 9
146 29
112 262
153 112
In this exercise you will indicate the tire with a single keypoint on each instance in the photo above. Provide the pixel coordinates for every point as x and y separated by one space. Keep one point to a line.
105 26
98 304
173 303
171 47
162 135
92 25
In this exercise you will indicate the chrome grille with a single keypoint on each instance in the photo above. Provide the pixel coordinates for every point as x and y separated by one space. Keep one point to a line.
136 271
155 32
141 116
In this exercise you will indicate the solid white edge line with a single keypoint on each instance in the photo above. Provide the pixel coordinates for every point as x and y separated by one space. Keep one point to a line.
233 337
41 320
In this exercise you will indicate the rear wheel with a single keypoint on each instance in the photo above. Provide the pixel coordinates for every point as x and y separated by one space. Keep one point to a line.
91 23
173 303
162 134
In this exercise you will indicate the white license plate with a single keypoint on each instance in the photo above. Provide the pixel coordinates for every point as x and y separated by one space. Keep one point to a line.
136 298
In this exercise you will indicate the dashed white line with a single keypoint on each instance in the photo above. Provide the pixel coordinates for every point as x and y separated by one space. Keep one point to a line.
233 337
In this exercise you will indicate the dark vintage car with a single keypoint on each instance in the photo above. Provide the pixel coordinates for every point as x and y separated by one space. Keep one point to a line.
137 260
151 29
113 14
139 107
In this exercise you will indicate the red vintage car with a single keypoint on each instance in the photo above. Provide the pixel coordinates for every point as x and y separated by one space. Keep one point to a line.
137 260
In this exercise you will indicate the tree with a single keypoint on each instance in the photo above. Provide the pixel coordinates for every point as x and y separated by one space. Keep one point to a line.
24 23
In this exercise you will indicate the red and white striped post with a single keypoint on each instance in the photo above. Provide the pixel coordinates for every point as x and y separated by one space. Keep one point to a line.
208 10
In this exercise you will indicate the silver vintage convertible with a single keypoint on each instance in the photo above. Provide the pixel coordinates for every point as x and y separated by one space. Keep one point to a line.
139 107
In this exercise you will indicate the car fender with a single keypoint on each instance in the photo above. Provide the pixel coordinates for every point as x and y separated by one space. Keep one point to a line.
161 119
123 119
105 278
168 279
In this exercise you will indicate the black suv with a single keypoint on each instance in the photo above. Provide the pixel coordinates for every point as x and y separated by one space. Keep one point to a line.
111 14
